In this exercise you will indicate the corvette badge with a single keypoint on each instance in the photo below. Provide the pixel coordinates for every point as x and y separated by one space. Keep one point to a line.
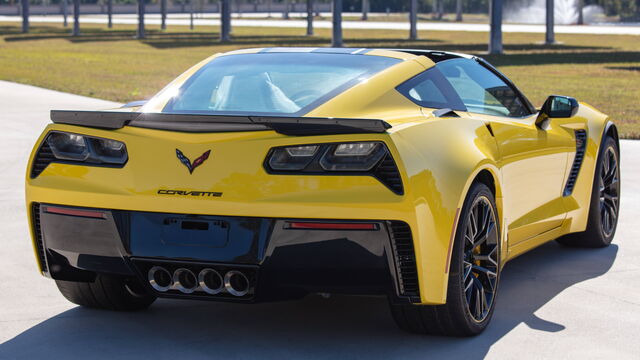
192 165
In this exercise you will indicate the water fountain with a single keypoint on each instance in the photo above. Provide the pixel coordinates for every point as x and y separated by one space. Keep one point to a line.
533 12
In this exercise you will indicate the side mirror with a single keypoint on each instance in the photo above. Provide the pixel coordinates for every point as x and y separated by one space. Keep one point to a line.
556 107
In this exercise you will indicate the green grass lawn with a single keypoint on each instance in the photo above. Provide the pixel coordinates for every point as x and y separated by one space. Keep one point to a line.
602 70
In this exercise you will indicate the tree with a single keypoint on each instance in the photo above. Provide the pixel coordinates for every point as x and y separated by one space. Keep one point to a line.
65 12
309 17
25 16
163 14
140 33
550 35
225 21
285 14
365 9
458 10
337 24
413 20
76 18
109 13
495 35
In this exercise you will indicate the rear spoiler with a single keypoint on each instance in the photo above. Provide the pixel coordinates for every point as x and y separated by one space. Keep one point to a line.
296 126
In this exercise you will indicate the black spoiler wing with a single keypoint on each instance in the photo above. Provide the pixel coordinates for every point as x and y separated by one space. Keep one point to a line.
218 123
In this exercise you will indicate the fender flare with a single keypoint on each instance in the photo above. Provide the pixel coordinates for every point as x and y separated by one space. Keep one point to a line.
492 169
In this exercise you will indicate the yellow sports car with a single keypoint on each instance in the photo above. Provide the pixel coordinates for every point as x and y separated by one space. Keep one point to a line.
268 174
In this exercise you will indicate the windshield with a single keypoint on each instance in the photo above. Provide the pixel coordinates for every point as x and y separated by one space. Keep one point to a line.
272 84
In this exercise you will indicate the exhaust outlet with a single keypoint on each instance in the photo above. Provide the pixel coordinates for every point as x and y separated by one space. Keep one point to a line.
159 278
236 283
185 280
210 281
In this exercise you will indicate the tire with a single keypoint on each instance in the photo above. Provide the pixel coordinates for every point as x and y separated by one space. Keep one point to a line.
459 316
107 292
605 201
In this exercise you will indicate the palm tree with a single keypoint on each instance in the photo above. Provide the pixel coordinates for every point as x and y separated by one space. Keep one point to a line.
365 9
163 14
309 17
495 36
225 21
337 24
25 16
76 18
550 36
140 34
413 20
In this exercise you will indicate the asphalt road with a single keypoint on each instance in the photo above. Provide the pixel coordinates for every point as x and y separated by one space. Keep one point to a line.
554 302
250 21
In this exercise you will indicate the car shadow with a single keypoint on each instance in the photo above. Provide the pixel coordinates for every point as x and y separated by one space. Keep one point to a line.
338 327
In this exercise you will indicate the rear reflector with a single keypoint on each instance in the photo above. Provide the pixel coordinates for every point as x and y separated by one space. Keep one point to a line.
74 212
331 226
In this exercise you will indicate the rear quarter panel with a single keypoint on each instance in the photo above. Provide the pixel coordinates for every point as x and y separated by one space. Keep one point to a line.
441 157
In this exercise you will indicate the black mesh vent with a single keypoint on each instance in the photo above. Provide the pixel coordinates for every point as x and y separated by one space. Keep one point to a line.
43 158
405 258
37 232
581 145
388 174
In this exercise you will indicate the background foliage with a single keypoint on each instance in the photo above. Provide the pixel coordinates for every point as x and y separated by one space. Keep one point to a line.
626 9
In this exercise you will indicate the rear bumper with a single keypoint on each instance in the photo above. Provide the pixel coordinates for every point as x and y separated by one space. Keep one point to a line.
282 260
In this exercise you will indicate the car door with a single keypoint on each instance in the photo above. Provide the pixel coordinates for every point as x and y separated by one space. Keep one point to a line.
533 161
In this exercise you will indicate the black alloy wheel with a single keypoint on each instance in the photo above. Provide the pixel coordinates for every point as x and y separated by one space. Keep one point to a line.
480 261
609 183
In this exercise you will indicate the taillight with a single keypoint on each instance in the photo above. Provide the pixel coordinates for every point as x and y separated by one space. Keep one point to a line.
73 148
350 158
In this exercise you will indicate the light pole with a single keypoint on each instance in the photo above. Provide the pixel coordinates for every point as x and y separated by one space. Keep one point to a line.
413 20
337 24
550 36
495 36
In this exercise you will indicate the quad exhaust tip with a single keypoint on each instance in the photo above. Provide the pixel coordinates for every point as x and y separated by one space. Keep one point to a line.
236 283
185 281
160 278
210 281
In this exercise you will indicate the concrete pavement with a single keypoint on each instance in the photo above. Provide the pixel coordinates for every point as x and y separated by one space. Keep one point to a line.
180 19
554 302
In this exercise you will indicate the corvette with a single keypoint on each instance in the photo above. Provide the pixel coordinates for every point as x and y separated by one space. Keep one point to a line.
269 174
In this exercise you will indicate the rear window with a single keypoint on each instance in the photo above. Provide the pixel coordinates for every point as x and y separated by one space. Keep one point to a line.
272 84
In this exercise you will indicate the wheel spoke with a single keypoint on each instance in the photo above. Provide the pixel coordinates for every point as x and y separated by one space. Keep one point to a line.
473 223
478 298
467 272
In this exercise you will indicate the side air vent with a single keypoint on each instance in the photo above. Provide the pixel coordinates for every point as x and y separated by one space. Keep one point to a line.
388 174
43 158
37 232
581 145
405 259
